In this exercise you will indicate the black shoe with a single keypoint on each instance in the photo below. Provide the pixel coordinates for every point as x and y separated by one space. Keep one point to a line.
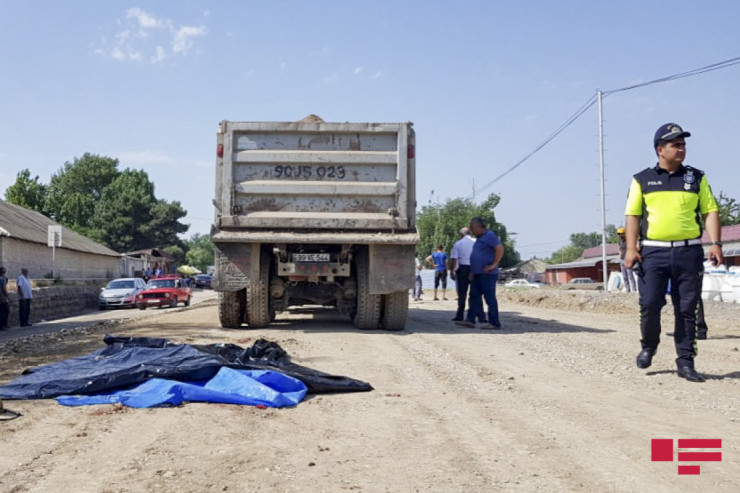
645 358
457 319
688 372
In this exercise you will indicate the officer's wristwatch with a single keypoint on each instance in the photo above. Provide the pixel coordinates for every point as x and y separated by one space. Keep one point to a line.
718 243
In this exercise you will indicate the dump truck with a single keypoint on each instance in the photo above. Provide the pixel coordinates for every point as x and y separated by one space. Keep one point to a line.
312 213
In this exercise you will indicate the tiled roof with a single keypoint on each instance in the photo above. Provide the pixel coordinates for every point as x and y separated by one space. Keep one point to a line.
25 224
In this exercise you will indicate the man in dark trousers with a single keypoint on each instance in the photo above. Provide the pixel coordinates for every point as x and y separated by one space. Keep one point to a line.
663 235
4 301
484 259
25 294
460 269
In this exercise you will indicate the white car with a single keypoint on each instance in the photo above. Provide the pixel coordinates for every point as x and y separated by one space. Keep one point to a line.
120 292
521 284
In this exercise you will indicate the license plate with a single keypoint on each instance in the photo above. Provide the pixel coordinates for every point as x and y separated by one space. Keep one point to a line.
310 257
152 301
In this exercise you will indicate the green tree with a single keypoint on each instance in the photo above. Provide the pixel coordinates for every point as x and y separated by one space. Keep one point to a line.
123 212
440 224
164 224
177 252
200 251
26 192
129 217
75 189
580 242
729 210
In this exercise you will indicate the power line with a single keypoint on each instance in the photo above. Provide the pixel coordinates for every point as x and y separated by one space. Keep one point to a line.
696 71
593 99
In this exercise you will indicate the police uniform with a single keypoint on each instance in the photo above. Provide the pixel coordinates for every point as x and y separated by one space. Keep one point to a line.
670 206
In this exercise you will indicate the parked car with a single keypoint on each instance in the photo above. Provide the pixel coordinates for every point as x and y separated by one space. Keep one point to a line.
204 281
583 283
120 293
164 291
521 284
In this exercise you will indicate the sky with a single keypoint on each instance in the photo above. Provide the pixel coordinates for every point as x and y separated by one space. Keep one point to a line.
484 82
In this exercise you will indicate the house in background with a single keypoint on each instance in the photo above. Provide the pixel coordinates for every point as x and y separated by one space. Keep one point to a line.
24 239
730 244
152 258
590 265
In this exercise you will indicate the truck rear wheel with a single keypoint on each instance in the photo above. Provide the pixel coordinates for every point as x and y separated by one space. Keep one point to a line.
367 313
231 306
395 310
258 296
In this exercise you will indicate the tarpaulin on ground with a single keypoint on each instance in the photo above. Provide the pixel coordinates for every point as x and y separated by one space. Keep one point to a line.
129 361
246 387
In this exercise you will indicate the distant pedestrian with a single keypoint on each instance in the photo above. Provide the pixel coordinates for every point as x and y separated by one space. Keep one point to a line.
439 259
4 300
460 269
484 259
664 207
25 294
417 279
627 275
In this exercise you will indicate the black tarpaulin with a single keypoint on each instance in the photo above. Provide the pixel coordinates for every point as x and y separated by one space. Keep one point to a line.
127 361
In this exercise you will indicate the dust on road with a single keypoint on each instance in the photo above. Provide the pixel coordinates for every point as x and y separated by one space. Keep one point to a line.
553 402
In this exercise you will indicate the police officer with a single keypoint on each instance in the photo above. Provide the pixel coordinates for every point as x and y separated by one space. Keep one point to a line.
664 243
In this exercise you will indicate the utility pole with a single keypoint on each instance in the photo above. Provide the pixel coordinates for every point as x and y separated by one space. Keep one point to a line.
603 193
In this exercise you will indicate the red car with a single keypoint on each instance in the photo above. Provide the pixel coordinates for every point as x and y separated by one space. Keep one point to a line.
164 291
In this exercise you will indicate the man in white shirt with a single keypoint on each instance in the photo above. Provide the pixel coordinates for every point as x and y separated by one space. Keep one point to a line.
25 294
461 268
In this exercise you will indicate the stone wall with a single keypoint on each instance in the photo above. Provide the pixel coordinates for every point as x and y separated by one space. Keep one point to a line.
67 264
55 302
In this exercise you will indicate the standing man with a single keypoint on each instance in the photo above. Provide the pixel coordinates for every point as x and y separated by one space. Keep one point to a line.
484 259
4 300
460 269
25 294
439 259
417 279
627 275
664 236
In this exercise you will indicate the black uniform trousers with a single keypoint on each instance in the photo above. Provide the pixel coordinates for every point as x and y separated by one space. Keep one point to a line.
461 286
683 267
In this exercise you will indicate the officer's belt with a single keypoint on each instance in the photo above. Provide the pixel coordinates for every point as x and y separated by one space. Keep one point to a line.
671 244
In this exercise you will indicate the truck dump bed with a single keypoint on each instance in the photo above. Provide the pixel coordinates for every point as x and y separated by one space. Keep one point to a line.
309 176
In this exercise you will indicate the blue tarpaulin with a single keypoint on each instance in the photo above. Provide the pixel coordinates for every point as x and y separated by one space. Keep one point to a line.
127 362
246 387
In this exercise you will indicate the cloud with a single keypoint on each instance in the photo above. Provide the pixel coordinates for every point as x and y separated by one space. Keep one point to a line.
143 37
357 70
143 19
183 40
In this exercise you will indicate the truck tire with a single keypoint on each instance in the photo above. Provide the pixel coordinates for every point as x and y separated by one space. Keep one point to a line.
395 310
258 296
367 312
231 306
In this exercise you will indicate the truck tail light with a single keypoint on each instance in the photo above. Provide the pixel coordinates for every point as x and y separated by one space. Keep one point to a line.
411 152
220 150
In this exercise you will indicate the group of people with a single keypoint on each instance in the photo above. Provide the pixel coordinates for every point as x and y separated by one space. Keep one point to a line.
25 295
474 268
669 206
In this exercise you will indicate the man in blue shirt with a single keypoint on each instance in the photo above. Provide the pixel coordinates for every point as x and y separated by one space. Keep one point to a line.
484 260
439 258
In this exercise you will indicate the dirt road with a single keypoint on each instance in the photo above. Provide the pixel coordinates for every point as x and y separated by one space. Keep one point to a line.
553 402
